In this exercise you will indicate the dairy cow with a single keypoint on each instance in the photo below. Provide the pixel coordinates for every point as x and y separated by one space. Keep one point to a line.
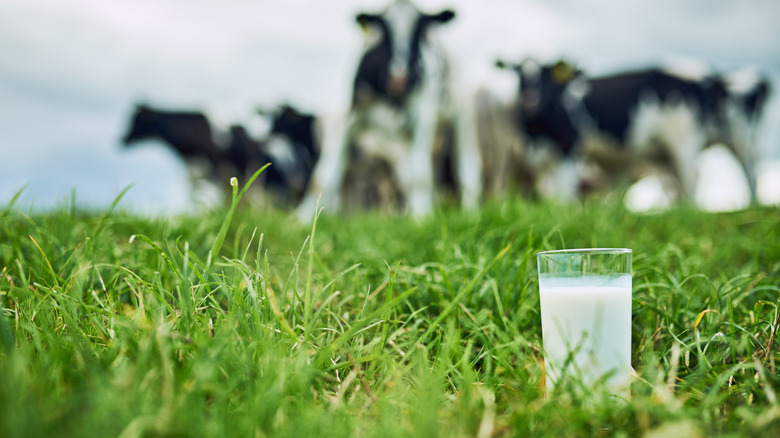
401 98
289 147
189 133
646 116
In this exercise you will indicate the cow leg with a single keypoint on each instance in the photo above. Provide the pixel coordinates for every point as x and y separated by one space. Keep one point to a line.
328 173
415 174
498 141
743 144
469 160
685 140
562 183
675 128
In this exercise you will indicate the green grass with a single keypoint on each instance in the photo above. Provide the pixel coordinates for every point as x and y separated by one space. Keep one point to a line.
237 322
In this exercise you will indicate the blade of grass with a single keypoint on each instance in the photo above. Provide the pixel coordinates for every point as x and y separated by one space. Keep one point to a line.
159 251
6 337
452 305
325 352
10 205
46 259
308 301
99 226
220 239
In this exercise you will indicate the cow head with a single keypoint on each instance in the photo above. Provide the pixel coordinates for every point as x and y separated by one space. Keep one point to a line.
288 120
392 66
750 90
299 128
543 87
142 125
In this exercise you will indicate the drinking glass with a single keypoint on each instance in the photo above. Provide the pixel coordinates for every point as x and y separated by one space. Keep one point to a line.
585 297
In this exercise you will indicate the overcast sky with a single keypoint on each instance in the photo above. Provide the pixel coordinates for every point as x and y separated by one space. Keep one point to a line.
71 71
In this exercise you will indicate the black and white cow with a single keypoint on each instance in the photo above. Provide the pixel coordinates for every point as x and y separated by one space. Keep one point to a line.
401 97
189 133
289 147
649 115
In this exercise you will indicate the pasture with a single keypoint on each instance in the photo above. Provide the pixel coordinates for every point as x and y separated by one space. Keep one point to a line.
238 322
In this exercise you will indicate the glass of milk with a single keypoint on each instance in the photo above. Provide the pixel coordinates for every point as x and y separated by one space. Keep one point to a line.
585 299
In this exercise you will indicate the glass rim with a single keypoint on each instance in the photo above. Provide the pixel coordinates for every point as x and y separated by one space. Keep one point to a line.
586 251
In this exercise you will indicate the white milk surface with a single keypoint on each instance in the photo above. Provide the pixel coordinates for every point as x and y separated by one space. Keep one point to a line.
586 329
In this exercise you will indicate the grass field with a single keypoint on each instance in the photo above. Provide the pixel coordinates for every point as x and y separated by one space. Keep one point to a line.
246 323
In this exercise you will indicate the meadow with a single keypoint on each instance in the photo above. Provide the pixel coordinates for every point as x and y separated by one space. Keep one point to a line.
242 322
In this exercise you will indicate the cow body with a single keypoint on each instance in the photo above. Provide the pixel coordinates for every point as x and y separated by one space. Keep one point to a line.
234 153
386 148
620 124
189 133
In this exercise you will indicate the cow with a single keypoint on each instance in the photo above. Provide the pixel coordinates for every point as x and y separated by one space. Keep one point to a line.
230 153
190 134
646 117
401 97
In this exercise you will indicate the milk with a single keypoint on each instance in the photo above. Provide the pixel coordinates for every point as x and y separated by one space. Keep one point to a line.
586 329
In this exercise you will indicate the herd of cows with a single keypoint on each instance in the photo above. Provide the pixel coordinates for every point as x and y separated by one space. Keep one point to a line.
413 138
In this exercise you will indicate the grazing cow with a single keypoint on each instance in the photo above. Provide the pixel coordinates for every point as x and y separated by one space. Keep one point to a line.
233 153
189 133
650 115
192 137
401 97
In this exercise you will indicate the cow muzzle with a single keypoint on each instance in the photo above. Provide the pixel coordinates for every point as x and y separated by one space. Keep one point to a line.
396 85
530 102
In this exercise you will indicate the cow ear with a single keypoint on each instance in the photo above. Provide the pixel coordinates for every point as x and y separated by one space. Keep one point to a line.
500 63
443 16
364 20
563 72
290 113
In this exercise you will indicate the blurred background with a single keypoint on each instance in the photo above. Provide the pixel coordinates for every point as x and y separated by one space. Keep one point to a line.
71 72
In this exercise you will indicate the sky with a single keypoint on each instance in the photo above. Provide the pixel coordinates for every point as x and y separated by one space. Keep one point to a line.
71 72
